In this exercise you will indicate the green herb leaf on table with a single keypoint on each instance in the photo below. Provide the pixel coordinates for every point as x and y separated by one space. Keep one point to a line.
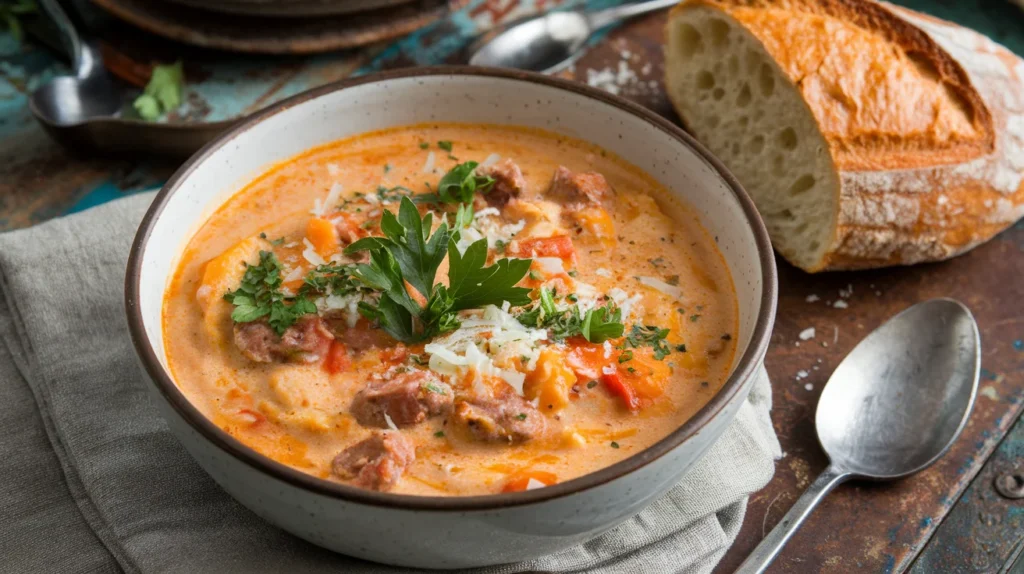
163 93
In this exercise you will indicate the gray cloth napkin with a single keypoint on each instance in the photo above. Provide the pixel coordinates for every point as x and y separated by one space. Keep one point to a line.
91 480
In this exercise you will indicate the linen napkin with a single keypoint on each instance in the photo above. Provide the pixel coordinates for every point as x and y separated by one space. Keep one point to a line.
91 480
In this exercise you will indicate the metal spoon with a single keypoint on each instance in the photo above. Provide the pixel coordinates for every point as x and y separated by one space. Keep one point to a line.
84 111
552 41
892 407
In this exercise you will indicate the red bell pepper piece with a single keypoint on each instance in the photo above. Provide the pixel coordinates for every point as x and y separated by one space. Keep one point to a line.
337 360
613 381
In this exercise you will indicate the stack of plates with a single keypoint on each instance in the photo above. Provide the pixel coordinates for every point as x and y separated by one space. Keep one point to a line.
280 26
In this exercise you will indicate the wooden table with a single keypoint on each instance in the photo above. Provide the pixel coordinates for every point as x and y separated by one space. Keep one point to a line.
948 518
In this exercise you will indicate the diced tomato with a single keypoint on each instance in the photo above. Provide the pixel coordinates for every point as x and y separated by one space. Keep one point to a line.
620 388
558 246
520 481
254 417
585 358
337 360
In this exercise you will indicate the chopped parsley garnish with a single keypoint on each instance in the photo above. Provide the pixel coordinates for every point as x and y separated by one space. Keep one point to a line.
672 280
521 416
330 279
439 434
657 262
626 356
409 253
500 245
435 389
694 318
681 348
573 273
445 145
260 296
615 444
461 183
591 384
387 167
275 242
419 360
648 336
596 325
424 145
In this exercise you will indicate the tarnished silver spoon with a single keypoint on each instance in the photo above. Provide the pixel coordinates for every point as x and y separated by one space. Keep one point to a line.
551 41
84 111
893 406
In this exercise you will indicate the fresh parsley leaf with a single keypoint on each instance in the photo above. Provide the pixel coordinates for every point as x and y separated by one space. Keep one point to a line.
330 279
406 241
464 216
602 323
408 254
445 145
625 356
472 285
259 295
461 183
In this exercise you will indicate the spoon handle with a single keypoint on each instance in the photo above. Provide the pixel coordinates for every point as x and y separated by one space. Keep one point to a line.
603 18
772 544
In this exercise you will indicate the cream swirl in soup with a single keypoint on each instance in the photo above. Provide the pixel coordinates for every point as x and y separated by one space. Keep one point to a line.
451 310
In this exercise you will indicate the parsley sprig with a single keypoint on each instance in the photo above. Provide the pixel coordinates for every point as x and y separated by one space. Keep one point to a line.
409 253
260 295
595 325
462 182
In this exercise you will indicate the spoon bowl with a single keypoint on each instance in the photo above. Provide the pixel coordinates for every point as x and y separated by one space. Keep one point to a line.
894 405
68 101
545 44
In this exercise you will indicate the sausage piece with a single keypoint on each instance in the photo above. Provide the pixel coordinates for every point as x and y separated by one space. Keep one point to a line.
307 341
407 398
578 189
508 419
377 462
508 182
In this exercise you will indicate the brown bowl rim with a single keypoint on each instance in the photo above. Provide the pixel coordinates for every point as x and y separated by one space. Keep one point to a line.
745 369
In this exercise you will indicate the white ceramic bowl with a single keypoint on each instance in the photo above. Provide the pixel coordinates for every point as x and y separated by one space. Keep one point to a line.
439 532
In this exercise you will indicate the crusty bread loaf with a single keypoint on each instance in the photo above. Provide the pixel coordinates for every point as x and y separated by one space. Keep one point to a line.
868 135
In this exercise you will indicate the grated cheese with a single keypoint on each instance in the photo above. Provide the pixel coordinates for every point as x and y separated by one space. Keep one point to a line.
428 165
672 291
491 160
624 301
333 169
310 254
391 423
603 272
534 484
550 265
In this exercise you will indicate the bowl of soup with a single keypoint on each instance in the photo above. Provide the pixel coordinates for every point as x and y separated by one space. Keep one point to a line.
450 317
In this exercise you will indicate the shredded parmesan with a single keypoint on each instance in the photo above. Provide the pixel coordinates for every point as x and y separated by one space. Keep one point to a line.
293 275
624 301
310 254
550 265
487 211
672 291
428 165
491 160
603 272
391 423
534 484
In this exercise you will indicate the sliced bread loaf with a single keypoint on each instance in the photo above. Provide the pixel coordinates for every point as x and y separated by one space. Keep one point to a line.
868 135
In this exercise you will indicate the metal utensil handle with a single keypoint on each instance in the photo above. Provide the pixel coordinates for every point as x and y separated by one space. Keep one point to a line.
603 18
84 57
772 544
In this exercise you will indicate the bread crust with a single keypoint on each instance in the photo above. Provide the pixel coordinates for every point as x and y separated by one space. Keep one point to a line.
924 121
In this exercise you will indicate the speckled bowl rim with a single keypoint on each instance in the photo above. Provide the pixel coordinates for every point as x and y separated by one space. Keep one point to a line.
745 370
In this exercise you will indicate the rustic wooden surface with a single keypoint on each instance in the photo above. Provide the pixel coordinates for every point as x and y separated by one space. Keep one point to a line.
946 519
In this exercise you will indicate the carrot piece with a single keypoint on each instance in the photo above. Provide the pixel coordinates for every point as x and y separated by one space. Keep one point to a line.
323 235
558 246
620 388
520 481
337 359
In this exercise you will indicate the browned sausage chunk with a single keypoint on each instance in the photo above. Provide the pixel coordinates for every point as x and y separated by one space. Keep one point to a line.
508 182
377 462
407 398
360 337
307 341
509 419
578 188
